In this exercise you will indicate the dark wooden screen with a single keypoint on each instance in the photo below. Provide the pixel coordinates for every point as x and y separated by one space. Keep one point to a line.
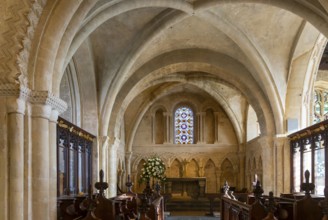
74 158
309 151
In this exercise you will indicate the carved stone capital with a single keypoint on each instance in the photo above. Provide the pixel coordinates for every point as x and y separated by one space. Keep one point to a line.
47 98
265 142
114 144
34 97
14 90
128 156
280 141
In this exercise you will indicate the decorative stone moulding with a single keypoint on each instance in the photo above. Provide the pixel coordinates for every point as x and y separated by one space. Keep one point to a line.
12 89
47 98
34 97
23 57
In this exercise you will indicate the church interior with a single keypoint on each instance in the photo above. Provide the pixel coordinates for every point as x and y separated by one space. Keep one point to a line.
215 89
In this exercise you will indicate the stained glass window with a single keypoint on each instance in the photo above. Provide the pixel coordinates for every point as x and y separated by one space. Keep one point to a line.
184 126
320 107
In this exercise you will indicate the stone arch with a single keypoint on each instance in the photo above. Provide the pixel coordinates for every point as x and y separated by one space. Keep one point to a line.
227 173
192 168
139 186
265 118
175 170
211 178
254 167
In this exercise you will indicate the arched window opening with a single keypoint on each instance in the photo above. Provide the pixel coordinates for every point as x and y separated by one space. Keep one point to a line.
184 125
320 108
253 127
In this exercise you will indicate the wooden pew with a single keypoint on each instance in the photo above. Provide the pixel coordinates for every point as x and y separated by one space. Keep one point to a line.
232 209
69 208
307 208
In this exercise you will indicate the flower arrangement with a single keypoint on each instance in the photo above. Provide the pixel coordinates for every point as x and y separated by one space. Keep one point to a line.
153 168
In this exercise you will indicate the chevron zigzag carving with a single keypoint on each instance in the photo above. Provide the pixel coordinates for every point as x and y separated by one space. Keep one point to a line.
24 55
13 31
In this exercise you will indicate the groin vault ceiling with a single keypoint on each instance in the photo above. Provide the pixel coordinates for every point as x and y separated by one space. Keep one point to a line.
226 50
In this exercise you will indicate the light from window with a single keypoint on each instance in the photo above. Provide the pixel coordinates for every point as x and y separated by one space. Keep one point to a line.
320 105
184 126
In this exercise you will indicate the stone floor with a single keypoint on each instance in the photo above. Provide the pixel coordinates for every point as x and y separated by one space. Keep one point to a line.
190 216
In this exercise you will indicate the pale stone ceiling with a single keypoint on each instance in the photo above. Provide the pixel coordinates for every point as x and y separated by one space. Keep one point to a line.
249 49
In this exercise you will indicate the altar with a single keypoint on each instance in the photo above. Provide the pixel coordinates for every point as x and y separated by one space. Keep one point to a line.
186 187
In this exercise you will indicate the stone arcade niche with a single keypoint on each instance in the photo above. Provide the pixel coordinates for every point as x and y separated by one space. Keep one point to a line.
74 159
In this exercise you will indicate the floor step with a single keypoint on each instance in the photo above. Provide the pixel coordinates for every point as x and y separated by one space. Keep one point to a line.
191 205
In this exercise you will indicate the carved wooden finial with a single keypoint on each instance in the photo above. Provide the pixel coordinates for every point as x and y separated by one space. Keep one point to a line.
226 188
307 186
271 208
258 191
272 205
101 185
129 184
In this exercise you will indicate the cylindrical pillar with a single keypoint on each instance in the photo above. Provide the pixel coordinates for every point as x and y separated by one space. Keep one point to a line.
103 143
16 109
128 156
53 165
40 161
112 167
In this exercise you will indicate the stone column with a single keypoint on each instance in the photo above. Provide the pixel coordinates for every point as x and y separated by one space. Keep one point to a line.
40 160
112 167
266 144
153 135
201 122
4 159
53 165
216 126
167 117
281 169
128 156
242 169
103 143
16 109
218 179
